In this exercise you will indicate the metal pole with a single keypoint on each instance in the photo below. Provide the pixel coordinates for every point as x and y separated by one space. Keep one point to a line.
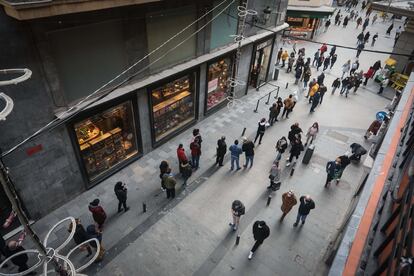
268 98
257 106
8 188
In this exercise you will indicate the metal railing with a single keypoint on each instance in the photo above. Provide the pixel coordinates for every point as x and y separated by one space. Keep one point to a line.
268 98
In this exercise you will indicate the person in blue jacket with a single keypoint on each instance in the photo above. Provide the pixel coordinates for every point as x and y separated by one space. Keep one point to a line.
235 151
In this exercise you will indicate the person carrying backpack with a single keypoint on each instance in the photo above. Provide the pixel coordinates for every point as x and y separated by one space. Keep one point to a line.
237 210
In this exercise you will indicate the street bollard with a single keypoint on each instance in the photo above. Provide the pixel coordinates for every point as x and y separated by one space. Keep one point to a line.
287 84
144 207
292 171
269 198
237 239
244 131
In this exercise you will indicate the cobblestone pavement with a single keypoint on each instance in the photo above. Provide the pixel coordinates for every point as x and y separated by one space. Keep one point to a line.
190 234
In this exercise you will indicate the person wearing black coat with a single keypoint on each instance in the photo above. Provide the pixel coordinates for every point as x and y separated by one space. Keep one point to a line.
120 190
333 50
335 85
331 168
344 162
248 149
333 60
81 236
295 150
326 63
306 204
315 101
261 128
294 131
221 150
322 91
321 78
260 232
21 261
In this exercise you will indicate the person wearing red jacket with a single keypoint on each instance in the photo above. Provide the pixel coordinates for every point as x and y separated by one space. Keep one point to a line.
98 213
368 75
182 157
324 48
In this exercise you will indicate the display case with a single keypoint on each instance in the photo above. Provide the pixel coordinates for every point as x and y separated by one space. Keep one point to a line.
107 139
172 106
217 86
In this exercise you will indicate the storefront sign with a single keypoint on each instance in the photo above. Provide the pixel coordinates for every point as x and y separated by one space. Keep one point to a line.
264 44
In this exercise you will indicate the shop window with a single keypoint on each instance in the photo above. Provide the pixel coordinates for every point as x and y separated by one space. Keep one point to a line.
172 106
218 75
260 66
107 139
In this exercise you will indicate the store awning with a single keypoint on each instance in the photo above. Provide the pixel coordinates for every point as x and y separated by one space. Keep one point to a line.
309 12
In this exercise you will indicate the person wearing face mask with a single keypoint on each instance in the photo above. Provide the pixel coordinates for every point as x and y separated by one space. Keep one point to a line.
306 205
288 201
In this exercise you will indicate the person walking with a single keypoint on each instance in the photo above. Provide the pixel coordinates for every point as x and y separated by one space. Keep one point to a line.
311 84
281 146
360 38
365 25
354 67
346 19
316 57
321 78
376 66
368 75
344 86
360 47
312 132
374 39
322 91
235 151
314 90
291 61
261 128
373 129
323 49
327 24
383 84
260 233
279 105
182 157
320 62
164 166
288 104
337 17
389 29
298 74
333 50
80 236
248 149
335 85
295 132
351 84
331 168
345 68
358 22
295 150
374 19
326 63
333 60
221 150
288 201
170 183
98 213
306 205
357 81
284 57
315 101
306 76
237 210
279 56
21 260
121 192
344 161
366 37
274 177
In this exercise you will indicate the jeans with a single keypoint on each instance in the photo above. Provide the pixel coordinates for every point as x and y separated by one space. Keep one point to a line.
195 159
305 84
301 217
235 159
249 159
256 245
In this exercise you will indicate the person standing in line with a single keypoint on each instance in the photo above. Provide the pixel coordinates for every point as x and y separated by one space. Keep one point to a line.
281 146
316 57
237 210
170 183
98 213
291 60
298 74
261 128
94 232
306 204
336 83
279 105
331 168
279 56
312 132
260 233
360 47
20 261
80 236
344 161
288 104
284 57
326 63
322 91
186 172
367 75
373 129
248 149
383 84
121 192
295 150
195 148
374 38
182 157
221 150
333 60
164 166
315 101
272 113
389 29
235 151
345 68
354 67
306 76
288 201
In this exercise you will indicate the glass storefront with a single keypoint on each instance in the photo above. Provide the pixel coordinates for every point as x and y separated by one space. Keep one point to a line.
173 106
260 65
107 138
218 75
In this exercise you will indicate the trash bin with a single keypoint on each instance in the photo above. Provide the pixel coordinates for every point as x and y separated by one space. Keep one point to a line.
276 74
308 154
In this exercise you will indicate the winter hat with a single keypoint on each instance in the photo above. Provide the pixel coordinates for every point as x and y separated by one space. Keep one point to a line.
95 202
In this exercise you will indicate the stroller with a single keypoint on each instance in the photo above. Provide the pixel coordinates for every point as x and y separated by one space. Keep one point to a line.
357 151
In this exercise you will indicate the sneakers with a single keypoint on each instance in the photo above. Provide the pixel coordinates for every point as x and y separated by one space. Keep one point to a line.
250 255
287 164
